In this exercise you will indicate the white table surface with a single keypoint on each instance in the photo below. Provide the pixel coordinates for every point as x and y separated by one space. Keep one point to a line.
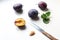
8 31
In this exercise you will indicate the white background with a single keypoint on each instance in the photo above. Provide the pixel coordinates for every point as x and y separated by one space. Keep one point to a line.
8 31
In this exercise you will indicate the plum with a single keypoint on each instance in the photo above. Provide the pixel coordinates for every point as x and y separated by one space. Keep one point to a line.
42 5
33 13
17 7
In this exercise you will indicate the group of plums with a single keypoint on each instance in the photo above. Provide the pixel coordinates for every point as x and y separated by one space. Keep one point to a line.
33 13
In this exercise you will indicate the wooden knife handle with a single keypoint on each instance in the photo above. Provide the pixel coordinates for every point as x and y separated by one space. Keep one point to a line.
49 36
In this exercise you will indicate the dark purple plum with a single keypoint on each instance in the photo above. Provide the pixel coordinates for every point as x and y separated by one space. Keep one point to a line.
17 7
42 5
33 13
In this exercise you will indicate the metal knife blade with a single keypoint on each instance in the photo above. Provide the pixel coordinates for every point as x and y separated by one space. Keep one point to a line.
37 27
43 32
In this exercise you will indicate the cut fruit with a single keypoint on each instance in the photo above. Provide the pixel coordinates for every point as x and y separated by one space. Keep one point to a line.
20 22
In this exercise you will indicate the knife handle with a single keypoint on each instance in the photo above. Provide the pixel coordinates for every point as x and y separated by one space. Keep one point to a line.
49 36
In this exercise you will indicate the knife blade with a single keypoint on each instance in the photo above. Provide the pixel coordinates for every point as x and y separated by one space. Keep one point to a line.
43 32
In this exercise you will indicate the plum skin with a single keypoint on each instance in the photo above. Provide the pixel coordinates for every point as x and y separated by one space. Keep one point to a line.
33 13
17 7
42 5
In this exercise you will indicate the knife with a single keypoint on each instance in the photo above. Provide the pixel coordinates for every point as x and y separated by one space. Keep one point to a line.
43 32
